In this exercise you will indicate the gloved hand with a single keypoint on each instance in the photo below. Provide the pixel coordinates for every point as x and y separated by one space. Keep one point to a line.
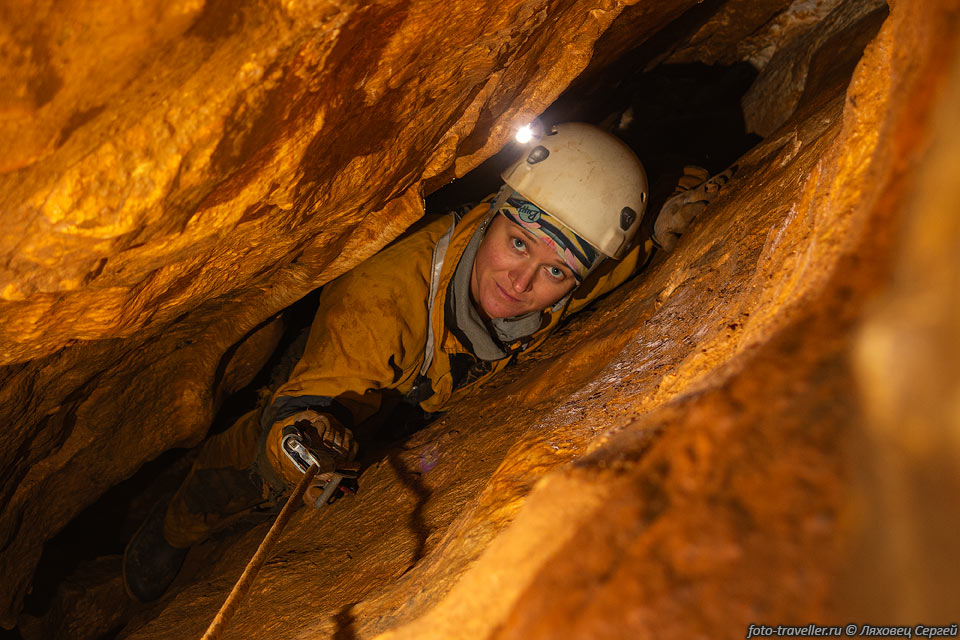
329 441
325 434
693 176
692 195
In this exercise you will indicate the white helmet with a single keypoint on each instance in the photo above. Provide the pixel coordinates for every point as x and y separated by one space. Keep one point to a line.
588 179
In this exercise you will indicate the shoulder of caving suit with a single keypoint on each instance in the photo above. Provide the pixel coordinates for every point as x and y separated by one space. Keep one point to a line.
370 332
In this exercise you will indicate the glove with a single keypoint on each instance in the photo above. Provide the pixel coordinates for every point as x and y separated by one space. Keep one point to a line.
330 442
692 195
693 176
325 435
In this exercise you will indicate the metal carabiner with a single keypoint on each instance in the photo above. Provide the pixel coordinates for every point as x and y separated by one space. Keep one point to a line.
296 450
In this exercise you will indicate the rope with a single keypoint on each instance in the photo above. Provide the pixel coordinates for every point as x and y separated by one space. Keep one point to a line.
256 562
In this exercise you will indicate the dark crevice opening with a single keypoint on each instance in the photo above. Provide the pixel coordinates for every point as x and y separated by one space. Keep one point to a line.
671 116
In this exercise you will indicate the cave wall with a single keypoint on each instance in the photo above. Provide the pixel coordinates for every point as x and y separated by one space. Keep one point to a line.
177 173
720 442
760 429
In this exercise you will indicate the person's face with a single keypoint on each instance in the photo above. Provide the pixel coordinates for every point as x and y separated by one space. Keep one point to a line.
515 272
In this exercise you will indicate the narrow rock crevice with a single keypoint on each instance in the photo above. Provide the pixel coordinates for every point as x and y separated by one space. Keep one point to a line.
731 437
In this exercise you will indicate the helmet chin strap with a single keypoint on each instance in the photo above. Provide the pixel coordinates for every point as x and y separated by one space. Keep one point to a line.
501 199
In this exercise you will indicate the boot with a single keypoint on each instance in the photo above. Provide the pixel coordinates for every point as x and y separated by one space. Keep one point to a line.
150 563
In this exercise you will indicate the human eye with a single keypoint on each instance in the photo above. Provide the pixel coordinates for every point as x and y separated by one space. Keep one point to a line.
519 244
557 273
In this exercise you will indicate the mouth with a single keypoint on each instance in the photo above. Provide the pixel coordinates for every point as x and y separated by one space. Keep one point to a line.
506 295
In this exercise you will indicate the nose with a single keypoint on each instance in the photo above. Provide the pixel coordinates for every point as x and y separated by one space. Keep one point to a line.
522 277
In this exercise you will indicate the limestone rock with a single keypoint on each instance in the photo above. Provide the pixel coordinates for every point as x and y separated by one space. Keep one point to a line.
678 463
906 356
175 174
719 442
89 605
834 44
750 31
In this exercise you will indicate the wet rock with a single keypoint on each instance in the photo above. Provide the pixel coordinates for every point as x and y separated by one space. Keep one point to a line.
906 359
681 461
738 435
175 174
829 48
744 30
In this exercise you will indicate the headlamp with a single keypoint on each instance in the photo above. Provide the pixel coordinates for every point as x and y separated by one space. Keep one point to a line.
530 131
525 134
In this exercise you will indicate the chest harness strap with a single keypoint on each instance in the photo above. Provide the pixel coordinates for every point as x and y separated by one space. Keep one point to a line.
439 253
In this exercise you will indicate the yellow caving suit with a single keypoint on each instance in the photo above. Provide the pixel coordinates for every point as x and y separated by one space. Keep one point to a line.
369 338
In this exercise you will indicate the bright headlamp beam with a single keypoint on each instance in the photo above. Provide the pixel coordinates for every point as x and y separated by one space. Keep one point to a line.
524 134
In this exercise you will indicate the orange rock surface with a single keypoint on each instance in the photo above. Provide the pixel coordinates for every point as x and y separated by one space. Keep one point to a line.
761 428
177 173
